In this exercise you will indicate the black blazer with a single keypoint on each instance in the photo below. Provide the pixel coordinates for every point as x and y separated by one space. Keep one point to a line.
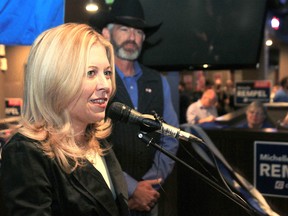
33 184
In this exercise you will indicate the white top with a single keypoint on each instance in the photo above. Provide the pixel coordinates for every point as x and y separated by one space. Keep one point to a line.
197 111
100 164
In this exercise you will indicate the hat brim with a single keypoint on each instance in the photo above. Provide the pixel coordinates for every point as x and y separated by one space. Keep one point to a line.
101 19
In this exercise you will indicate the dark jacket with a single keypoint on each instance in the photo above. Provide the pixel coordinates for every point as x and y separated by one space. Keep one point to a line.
129 149
33 184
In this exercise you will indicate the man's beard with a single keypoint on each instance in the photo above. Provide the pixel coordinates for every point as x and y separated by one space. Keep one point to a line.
125 54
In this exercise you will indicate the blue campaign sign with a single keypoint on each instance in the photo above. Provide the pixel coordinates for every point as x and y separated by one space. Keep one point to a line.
248 91
271 168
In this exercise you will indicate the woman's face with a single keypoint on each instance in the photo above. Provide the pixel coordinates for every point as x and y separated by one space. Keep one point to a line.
96 90
255 117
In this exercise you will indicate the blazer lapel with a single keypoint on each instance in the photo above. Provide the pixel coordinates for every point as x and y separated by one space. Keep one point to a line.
95 187
118 181
116 174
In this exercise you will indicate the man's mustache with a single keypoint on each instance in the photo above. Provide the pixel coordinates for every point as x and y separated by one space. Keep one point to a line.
130 42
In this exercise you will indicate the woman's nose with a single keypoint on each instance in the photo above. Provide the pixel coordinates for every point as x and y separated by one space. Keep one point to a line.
103 83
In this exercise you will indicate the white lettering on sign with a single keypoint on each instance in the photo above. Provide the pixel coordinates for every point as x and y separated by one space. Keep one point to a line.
274 157
274 170
252 93
12 111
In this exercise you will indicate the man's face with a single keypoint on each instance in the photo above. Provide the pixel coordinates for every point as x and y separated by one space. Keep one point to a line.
127 41
208 101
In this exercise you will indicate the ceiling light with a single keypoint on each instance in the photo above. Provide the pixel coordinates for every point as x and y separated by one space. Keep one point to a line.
269 42
91 6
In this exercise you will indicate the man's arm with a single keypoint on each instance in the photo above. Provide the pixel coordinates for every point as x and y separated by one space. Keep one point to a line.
163 165
191 116
144 194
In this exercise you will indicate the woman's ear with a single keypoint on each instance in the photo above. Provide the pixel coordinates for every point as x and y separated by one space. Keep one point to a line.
106 33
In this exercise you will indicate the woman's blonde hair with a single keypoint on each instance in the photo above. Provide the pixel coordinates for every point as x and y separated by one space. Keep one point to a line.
56 66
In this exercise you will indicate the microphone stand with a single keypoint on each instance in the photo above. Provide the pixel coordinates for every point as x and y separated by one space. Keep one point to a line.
149 141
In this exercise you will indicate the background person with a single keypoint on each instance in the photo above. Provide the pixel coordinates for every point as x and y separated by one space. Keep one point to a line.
229 94
145 90
204 110
256 117
219 90
58 163
281 94
184 101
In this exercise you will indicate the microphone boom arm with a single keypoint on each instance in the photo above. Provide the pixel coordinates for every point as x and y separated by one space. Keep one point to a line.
149 141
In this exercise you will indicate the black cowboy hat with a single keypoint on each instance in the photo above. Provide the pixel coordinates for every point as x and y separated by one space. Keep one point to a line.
124 12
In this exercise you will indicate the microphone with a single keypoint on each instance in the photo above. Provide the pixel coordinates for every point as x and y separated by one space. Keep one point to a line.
121 112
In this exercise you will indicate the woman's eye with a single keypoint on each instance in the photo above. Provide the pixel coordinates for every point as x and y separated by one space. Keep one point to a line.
108 73
91 73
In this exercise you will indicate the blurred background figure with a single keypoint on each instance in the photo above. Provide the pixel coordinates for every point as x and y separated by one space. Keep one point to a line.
282 94
218 88
256 117
283 124
203 110
184 101
229 93
275 88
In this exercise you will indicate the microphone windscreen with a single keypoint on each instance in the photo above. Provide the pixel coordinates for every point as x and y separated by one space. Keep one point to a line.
118 111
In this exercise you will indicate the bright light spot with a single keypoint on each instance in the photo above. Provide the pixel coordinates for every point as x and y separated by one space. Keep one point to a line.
205 65
91 7
269 42
275 23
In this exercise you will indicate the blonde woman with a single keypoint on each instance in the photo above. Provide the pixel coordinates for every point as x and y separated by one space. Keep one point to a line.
59 163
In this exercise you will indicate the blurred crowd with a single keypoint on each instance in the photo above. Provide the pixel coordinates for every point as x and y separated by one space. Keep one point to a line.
202 104
221 96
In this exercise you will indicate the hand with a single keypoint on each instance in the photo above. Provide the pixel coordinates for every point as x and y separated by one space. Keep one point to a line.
210 118
144 196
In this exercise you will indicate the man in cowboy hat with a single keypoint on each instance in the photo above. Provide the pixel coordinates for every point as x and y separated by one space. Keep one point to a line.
146 91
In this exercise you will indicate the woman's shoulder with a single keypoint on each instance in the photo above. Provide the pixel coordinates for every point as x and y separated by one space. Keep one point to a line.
19 142
23 150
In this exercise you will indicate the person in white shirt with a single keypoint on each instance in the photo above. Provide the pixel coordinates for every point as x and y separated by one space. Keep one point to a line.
203 110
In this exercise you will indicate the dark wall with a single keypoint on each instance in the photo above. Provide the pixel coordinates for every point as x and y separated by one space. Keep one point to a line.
197 198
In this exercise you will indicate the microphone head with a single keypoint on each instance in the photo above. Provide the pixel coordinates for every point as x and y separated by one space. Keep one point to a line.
118 111
121 112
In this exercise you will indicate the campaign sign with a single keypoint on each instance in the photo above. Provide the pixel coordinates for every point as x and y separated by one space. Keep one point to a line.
13 106
271 168
248 91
